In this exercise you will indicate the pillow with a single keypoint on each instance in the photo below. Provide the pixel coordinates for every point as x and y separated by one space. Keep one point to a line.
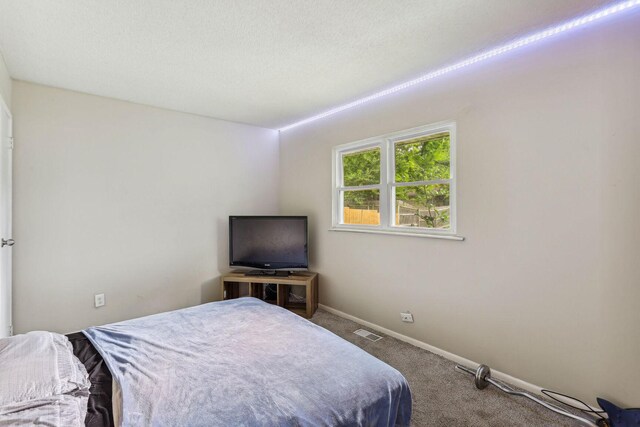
619 417
38 365
70 367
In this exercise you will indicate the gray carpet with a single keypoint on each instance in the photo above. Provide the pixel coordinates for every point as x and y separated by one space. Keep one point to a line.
443 396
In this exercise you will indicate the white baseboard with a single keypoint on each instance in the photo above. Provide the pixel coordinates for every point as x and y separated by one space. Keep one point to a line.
501 376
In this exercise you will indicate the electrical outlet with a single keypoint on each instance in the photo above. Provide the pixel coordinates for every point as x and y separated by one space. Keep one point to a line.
406 317
99 300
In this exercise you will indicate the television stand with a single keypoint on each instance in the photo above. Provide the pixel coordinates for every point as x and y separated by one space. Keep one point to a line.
238 284
270 273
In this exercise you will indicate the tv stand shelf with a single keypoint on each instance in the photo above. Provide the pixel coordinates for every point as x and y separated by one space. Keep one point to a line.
231 288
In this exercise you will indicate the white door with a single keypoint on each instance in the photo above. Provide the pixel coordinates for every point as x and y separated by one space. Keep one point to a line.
6 147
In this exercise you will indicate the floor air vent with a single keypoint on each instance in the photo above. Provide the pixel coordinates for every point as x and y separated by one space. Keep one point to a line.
368 335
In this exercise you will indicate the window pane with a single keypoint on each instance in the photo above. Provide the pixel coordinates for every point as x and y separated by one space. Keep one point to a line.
361 168
425 206
361 207
423 159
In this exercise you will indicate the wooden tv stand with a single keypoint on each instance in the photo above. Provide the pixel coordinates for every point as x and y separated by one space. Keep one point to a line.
232 288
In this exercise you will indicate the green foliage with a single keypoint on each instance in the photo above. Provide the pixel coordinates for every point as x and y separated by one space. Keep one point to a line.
361 168
419 159
423 204
423 159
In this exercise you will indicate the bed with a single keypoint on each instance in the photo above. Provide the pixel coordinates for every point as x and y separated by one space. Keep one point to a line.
240 362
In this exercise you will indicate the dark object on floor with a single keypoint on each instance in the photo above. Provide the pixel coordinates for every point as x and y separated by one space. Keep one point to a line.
620 417
99 407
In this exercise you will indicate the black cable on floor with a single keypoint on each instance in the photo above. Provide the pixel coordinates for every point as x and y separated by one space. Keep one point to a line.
550 394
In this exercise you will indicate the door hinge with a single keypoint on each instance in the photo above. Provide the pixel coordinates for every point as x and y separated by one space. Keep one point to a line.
10 330
11 143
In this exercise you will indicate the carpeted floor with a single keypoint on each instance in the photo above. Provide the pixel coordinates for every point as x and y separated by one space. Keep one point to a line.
443 396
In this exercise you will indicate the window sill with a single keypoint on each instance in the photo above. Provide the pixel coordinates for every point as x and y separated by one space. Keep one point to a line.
400 233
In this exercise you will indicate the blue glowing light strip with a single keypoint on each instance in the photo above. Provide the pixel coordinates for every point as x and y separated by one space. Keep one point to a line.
517 44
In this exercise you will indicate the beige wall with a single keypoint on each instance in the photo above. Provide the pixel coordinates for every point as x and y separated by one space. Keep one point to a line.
5 82
128 200
547 285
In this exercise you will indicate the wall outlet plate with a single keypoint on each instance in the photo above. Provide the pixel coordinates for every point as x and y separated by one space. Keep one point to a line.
98 300
406 317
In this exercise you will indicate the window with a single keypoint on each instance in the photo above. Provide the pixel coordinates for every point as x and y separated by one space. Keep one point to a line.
402 182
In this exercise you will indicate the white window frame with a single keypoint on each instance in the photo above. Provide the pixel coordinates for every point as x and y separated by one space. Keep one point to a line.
387 185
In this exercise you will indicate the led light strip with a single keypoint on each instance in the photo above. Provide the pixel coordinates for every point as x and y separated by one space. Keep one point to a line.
517 44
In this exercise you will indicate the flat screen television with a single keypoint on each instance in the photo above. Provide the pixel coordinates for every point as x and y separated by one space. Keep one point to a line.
268 242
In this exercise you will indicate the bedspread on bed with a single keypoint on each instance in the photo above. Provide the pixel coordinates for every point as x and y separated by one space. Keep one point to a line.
244 362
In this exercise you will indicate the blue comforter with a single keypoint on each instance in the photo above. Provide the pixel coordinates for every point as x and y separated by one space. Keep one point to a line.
244 362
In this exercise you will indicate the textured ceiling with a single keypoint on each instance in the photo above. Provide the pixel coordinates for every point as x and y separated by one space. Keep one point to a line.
262 62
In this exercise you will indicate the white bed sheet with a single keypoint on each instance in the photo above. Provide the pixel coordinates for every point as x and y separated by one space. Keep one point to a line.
41 381
62 410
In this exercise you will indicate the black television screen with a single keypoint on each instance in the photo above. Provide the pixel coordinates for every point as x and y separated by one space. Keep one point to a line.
268 242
